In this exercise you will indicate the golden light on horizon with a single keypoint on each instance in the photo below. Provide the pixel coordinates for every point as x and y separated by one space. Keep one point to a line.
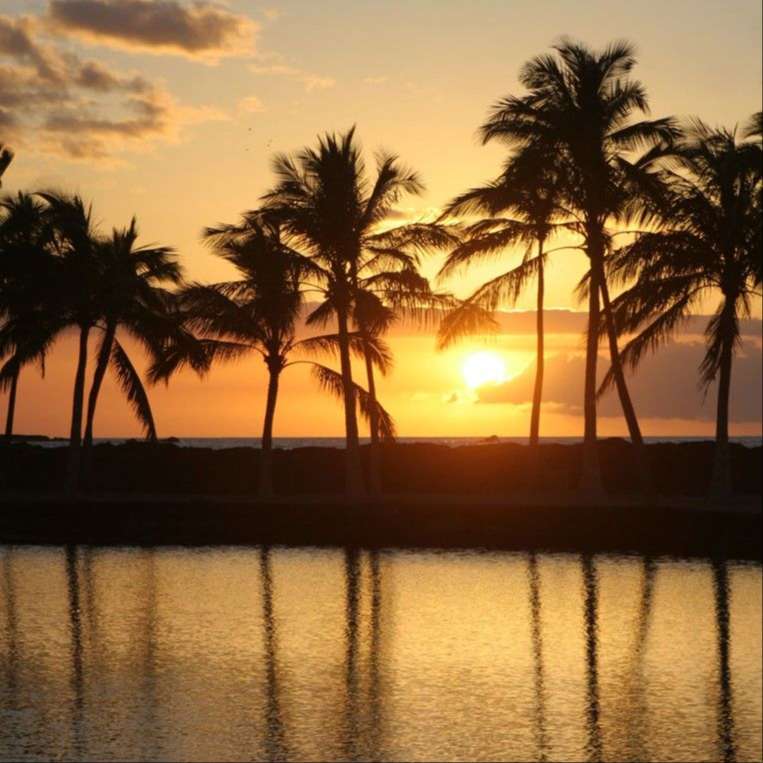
484 367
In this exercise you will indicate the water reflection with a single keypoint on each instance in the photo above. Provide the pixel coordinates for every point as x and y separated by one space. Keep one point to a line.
12 656
286 654
590 604
537 647
77 669
275 743
725 710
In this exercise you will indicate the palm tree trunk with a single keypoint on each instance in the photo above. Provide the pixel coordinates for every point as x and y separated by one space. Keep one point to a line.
720 485
374 475
266 456
639 453
539 355
75 435
590 477
353 472
95 388
11 404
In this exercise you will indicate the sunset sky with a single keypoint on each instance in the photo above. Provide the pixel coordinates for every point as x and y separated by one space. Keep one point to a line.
171 111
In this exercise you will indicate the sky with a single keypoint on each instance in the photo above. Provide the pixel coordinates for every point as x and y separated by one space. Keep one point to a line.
171 111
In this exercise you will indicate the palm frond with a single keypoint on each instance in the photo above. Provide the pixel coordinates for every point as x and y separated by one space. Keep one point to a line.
132 386
468 319
331 381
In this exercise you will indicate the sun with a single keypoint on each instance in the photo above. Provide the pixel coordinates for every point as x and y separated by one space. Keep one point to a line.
482 368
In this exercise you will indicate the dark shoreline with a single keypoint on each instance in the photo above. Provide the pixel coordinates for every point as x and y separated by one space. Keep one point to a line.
435 497
679 529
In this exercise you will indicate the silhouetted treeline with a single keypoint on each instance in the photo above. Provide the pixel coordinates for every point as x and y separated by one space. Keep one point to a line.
667 213
489 470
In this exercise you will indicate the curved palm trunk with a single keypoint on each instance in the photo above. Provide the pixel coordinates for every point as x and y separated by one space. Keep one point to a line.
374 476
535 460
720 485
629 412
590 477
11 413
539 355
353 473
75 435
266 457
101 366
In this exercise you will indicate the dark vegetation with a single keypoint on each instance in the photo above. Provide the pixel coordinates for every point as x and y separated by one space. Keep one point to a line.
678 469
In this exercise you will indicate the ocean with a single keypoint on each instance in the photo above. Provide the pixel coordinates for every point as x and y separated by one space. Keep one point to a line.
289 443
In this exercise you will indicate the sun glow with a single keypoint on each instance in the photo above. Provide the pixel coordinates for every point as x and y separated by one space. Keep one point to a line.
482 368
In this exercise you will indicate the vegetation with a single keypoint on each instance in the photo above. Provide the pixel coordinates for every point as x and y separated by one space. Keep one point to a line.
585 166
706 242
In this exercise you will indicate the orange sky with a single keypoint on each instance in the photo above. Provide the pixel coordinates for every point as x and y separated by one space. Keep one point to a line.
223 87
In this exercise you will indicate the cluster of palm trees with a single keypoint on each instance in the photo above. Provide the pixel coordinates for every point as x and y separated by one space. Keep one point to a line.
582 163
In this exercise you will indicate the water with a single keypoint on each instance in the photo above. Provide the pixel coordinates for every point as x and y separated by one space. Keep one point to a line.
307 654
288 443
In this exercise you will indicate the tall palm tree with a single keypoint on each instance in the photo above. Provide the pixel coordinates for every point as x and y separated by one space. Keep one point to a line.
707 242
132 298
521 207
386 287
332 210
580 105
258 313
27 284
74 241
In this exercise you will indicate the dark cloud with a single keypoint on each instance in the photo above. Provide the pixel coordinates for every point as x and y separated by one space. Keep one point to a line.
665 386
200 29
63 104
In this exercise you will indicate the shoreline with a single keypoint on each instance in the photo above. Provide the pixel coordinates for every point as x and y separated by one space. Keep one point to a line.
434 496
662 527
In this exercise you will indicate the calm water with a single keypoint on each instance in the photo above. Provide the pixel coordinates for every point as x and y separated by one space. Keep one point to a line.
306 654
287 443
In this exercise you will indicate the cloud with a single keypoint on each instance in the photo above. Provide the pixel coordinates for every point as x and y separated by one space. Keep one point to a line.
375 80
251 104
663 387
309 80
200 30
57 102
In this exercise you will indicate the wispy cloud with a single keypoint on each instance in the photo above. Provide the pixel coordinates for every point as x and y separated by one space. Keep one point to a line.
201 30
251 104
309 80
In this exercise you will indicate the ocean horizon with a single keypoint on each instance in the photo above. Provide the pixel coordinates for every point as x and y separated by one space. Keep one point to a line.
290 443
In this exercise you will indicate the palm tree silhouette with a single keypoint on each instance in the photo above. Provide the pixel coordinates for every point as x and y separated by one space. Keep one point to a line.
6 157
707 240
580 105
332 212
27 281
387 286
74 242
519 208
258 313
132 299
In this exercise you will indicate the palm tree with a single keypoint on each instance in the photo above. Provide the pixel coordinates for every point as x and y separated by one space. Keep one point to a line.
74 242
331 210
579 106
707 242
6 157
27 285
519 208
387 286
258 313
132 298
